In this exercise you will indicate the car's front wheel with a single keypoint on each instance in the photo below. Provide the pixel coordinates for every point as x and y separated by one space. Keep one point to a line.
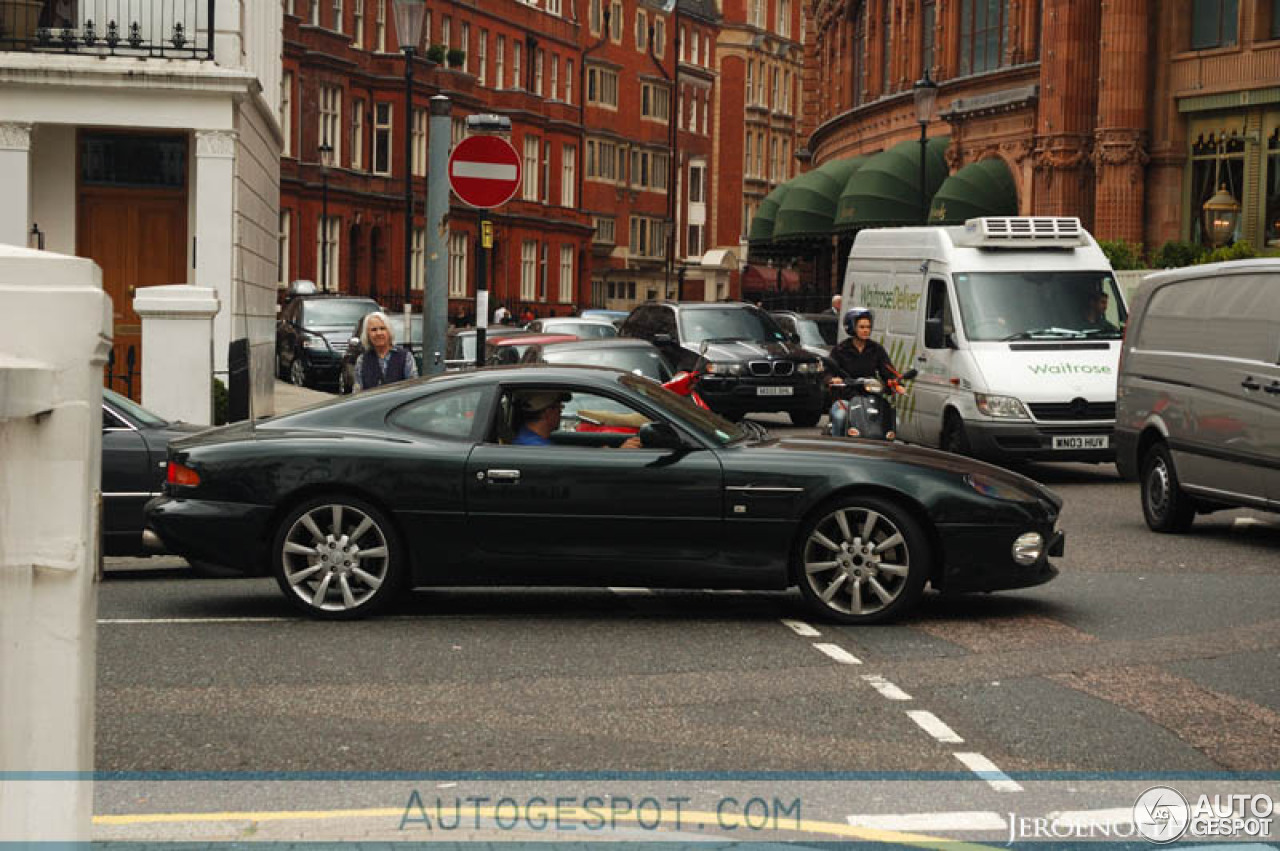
338 558
298 373
862 560
1164 505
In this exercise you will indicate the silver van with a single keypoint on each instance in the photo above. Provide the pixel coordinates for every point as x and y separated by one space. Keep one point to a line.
1198 398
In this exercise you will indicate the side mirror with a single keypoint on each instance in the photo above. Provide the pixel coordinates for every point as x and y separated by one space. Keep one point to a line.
910 374
354 341
662 340
660 435
934 338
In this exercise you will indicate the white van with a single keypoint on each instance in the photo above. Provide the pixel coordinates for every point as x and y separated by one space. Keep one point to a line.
1015 326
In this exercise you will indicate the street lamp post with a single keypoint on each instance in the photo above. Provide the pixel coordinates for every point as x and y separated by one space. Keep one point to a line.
409 18
926 96
325 151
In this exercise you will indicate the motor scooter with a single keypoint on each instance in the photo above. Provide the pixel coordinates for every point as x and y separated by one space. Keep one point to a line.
862 408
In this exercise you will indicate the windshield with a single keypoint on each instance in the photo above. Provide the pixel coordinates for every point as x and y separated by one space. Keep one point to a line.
132 408
817 332
342 312
638 361
709 425
731 322
1040 305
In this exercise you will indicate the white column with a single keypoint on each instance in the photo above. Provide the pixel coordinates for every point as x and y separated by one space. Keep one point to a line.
177 350
51 458
15 177
215 230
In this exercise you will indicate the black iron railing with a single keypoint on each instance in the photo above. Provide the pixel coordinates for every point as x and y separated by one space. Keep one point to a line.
176 29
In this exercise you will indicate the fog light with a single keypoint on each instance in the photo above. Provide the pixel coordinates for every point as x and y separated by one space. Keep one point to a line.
1029 548
853 432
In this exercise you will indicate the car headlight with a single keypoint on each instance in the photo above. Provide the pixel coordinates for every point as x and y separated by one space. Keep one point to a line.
813 368
1028 548
317 343
1001 407
988 486
724 368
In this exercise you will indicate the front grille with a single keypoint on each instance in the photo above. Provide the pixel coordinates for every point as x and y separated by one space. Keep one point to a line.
775 367
1074 410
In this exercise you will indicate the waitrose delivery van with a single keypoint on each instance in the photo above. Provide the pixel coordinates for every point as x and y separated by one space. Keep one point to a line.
1015 326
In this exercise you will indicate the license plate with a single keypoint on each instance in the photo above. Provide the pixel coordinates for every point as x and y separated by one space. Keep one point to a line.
774 391
1081 441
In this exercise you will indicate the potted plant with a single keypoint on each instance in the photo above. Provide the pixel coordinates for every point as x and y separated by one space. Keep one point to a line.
457 57
436 53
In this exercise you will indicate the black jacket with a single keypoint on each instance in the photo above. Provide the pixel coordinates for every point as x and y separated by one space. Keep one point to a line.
871 362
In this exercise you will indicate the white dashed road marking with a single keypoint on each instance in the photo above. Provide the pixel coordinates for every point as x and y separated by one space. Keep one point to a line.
933 725
885 687
114 621
987 770
800 628
916 822
838 653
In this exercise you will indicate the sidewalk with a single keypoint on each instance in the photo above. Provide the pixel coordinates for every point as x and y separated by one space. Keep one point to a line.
290 397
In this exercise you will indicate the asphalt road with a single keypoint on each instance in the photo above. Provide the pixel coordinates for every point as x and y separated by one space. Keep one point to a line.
1149 654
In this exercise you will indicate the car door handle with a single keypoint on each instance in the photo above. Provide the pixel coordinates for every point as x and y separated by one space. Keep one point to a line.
502 477
1250 384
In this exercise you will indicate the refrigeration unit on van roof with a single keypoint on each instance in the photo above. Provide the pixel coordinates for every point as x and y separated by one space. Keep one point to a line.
1020 232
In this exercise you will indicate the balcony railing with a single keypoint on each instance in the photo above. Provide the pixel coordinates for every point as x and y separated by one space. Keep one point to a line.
176 29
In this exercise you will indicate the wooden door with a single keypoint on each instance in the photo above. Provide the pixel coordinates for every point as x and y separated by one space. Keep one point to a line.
139 238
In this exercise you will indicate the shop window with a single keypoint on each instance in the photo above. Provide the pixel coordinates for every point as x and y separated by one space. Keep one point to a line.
1213 23
1217 161
1272 185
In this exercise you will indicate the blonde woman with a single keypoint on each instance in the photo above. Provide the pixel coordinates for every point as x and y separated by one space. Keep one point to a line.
382 361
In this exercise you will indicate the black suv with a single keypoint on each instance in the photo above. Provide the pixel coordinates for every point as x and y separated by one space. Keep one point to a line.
753 365
312 336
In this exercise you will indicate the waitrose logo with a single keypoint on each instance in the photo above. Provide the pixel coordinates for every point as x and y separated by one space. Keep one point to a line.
1069 369
884 298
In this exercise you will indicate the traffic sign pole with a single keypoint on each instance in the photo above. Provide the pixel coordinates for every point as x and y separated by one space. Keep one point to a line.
482 285
435 296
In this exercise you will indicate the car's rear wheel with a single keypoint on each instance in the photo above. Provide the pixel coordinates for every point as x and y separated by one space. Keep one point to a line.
298 373
1164 505
862 560
806 419
338 557
344 383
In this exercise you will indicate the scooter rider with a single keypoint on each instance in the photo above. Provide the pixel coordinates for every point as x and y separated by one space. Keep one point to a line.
859 356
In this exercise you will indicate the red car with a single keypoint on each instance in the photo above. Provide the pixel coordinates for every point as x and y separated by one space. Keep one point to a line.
509 350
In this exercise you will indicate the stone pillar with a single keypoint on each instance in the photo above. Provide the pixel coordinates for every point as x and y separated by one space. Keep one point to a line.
1068 104
51 458
1119 151
214 230
177 350
15 177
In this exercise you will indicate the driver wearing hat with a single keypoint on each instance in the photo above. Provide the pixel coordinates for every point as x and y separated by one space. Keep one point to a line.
539 415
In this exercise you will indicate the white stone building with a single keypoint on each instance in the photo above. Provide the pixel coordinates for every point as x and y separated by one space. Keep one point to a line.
151 146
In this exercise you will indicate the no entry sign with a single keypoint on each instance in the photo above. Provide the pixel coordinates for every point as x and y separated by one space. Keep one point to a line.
484 171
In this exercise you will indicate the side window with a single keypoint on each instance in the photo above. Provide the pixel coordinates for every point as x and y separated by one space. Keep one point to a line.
565 418
640 324
939 306
449 415
111 421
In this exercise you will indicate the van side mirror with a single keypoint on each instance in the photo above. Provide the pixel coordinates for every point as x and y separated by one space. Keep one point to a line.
934 336
660 435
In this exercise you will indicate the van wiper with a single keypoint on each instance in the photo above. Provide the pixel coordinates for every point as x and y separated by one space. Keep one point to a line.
1043 332
1110 333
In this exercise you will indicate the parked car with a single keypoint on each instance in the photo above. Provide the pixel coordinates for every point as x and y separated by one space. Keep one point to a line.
585 328
635 356
505 351
135 445
861 527
412 342
1198 401
312 335
817 332
614 316
460 344
752 363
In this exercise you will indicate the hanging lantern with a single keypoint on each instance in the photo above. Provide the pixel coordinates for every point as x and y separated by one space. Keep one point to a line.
1221 212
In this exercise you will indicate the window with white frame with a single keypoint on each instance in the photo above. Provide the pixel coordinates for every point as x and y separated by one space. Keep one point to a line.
544 191
517 82
357 13
528 270
380 25
602 87
542 272
615 21
693 111
775 98
684 49
426 26
760 154
693 49
568 175
756 13
457 130
286 113
446 30
786 92
568 81
553 6
746 164
773 159
458 243
482 58
500 64
382 138
419 142
680 106
595 17
693 241
605 160
337 16
555 76
706 50
697 179
313 13
331 120
655 101
538 57
465 46
531 148
357 134
784 18
642 27
327 240
282 249
566 273
706 108
605 227
646 237
418 259
649 169
751 81
660 37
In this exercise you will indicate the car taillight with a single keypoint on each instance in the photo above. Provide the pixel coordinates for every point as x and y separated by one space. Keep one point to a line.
180 474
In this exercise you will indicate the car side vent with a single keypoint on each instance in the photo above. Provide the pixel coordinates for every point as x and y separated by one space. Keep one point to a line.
1024 232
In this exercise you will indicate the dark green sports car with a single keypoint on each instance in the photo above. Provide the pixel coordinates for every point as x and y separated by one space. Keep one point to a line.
423 483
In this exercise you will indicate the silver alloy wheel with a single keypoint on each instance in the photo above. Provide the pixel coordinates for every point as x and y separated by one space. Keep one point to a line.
335 558
298 373
856 561
1158 488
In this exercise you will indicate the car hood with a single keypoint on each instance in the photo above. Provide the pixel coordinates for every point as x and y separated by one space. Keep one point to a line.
916 456
747 350
1044 371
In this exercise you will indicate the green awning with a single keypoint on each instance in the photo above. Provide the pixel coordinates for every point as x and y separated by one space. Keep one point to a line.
762 222
885 192
810 206
979 189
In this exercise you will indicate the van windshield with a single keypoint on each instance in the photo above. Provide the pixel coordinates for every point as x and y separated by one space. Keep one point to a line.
1040 305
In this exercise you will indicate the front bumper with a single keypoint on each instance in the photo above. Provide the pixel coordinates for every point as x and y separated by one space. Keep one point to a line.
979 558
229 534
742 394
1031 441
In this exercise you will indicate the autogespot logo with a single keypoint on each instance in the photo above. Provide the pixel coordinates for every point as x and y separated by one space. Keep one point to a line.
1161 814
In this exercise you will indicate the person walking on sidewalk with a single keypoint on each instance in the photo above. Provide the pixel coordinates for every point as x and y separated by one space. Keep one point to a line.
381 362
